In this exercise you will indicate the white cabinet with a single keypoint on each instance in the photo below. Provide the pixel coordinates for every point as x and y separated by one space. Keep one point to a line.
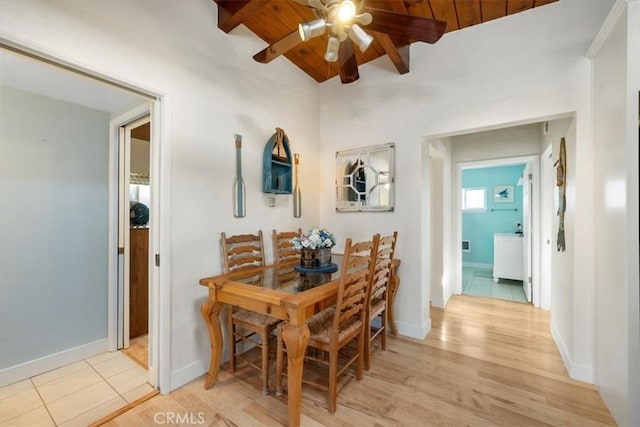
507 256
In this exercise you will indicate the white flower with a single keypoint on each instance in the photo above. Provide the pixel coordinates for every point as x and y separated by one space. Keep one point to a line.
313 239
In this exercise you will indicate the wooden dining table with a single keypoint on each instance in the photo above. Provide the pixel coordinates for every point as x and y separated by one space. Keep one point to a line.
278 291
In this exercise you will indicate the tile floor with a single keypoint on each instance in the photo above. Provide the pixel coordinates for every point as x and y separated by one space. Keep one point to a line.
479 282
74 395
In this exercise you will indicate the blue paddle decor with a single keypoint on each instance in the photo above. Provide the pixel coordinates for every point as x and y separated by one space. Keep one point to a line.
239 189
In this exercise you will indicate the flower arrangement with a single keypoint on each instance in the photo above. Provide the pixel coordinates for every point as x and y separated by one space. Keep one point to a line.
314 239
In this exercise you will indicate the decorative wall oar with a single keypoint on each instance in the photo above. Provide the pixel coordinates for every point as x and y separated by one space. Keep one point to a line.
239 189
297 194
561 181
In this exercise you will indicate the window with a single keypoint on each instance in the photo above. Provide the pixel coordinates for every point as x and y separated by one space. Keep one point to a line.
474 199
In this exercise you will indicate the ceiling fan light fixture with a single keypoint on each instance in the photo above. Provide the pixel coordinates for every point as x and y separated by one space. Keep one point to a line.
360 37
333 45
364 18
346 11
311 29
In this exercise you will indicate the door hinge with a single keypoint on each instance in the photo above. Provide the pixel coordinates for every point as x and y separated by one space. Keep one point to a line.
120 250
529 280
157 260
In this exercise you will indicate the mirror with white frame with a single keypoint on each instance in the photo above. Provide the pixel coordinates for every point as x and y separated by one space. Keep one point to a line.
365 179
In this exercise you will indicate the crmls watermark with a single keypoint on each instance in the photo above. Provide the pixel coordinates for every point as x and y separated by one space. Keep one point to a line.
179 418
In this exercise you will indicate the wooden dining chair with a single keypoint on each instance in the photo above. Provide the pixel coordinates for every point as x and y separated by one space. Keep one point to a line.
283 250
245 251
378 297
335 327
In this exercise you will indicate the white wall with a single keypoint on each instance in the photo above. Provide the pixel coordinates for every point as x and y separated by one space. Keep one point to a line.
472 79
557 295
212 89
53 227
511 141
563 270
616 87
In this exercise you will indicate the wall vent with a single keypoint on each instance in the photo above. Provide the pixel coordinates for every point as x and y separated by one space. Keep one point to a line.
466 246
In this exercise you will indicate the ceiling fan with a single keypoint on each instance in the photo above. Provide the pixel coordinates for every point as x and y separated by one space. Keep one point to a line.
343 19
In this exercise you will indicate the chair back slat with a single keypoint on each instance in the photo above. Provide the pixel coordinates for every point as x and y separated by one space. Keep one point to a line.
382 272
354 300
242 251
283 250
380 277
249 250
386 252
357 271
351 312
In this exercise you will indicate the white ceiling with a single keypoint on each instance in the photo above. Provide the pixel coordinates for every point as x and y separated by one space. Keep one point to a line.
29 74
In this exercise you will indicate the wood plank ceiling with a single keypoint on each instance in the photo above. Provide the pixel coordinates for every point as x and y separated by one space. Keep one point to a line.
273 19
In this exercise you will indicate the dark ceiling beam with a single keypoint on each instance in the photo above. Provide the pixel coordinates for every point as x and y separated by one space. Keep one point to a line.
398 55
397 6
231 13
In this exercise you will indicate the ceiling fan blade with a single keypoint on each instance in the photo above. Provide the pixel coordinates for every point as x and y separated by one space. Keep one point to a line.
414 27
348 64
279 47
315 4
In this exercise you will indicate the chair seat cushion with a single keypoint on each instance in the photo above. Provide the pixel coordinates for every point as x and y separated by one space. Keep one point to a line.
320 325
252 318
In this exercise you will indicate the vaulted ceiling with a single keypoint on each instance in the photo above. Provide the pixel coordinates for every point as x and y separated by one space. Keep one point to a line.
272 20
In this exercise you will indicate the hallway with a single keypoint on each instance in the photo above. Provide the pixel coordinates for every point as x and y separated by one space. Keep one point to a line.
479 282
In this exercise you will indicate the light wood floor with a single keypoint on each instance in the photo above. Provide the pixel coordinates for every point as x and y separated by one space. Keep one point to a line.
138 350
485 362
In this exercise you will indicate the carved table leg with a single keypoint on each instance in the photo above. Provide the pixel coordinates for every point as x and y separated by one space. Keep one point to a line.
394 283
210 311
296 339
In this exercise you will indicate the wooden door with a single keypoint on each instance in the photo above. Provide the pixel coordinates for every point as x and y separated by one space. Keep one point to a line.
139 282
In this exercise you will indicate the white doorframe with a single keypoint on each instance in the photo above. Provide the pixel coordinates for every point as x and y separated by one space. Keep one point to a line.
158 333
547 187
124 248
527 228
535 256
436 215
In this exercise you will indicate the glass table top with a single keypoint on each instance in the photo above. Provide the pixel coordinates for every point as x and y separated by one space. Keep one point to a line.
285 278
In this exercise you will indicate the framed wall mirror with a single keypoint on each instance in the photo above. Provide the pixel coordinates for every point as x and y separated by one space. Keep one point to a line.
365 179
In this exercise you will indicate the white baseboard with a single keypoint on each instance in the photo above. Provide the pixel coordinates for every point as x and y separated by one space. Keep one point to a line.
187 374
413 331
477 265
575 370
437 303
43 364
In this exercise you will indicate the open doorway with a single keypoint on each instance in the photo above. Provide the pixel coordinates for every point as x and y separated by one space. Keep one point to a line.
524 144
40 74
135 201
135 205
496 228
74 111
